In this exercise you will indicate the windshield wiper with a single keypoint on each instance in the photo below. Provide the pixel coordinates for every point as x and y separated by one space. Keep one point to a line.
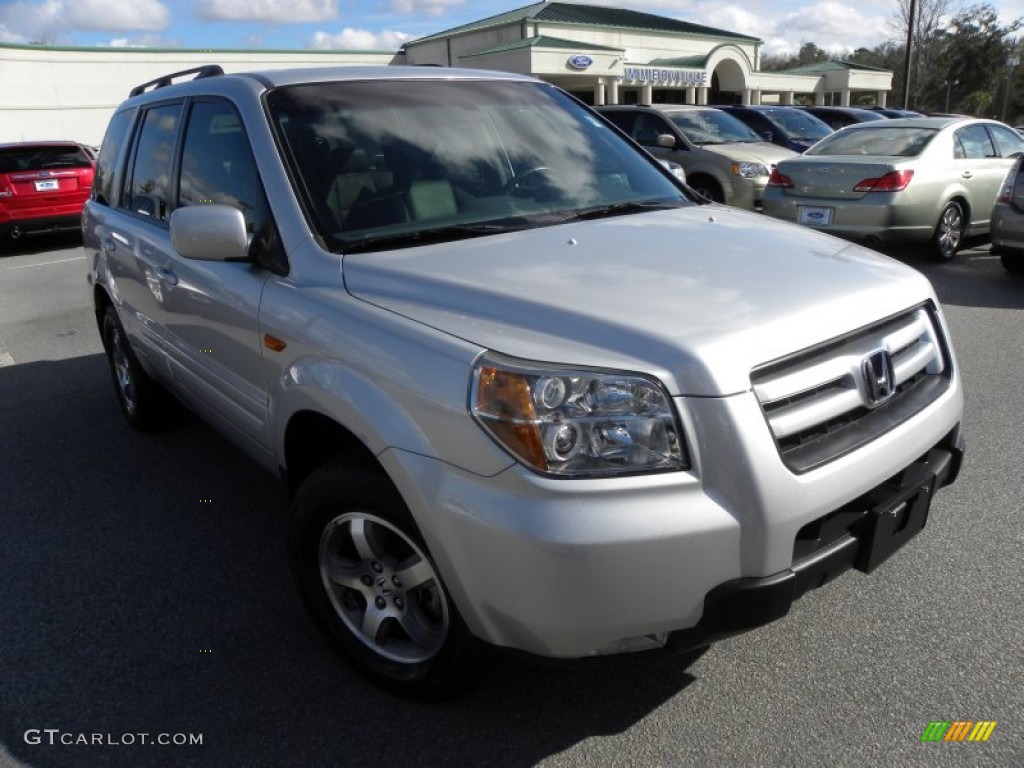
621 209
437 235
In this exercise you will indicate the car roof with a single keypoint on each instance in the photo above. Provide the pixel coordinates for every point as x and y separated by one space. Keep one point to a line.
919 122
28 144
212 75
659 107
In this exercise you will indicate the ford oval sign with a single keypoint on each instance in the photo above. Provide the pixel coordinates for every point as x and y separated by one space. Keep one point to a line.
580 61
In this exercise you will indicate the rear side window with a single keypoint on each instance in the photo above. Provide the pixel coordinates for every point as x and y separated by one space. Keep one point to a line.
149 186
103 183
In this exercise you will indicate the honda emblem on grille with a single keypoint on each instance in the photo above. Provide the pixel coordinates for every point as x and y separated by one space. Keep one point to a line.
878 377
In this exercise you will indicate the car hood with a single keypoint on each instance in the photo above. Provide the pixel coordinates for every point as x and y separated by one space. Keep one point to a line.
697 296
755 152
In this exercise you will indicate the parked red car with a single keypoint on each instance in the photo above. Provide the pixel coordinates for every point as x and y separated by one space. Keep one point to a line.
43 186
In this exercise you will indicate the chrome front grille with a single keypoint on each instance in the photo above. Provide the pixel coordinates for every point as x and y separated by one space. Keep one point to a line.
829 400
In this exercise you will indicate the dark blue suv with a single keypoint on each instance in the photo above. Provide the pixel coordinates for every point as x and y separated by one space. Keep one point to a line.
786 126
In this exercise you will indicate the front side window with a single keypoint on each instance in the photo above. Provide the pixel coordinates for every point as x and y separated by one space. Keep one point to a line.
149 187
973 143
1008 142
403 162
648 127
217 165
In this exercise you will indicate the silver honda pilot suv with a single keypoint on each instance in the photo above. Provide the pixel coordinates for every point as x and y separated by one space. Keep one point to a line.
526 391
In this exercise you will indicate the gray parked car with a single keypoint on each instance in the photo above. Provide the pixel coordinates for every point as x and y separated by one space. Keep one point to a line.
926 179
524 391
1008 220
724 160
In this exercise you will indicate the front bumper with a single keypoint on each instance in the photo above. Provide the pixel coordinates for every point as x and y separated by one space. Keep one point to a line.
862 535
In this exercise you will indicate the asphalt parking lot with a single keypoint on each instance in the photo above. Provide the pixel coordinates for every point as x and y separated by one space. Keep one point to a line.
144 589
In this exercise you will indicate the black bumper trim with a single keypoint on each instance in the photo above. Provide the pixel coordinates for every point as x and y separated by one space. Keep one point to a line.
893 513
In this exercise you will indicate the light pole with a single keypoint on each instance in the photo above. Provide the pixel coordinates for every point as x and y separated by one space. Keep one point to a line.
907 58
950 84
1011 64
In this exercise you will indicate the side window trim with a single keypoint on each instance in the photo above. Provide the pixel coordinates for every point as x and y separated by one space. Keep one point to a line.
123 193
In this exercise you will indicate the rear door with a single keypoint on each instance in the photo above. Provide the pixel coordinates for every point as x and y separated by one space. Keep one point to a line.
210 309
982 171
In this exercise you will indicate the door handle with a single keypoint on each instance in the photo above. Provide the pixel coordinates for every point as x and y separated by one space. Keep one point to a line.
167 275
967 175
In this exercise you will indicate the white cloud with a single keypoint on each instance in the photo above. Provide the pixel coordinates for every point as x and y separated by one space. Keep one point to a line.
270 11
50 20
428 7
359 40
6 36
115 15
141 41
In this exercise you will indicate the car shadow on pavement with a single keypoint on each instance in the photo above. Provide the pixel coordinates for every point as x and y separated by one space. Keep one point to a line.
42 243
975 278
145 589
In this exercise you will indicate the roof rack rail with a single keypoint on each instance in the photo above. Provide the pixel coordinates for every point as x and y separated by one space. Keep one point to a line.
210 70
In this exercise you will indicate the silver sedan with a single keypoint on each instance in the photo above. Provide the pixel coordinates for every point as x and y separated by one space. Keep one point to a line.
928 179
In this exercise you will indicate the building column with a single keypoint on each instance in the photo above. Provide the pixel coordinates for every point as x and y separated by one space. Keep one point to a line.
599 92
755 96
787 98
819 99
844 98
880 98
646 94
702 96
613 91
691 95
746 96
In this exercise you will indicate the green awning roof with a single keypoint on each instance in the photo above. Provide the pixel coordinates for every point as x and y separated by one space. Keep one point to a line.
590 15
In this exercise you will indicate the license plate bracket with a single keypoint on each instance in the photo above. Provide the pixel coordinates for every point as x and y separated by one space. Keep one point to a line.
814 215
892 523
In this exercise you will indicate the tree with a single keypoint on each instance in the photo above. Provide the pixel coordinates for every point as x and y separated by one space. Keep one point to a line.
930 19
974 61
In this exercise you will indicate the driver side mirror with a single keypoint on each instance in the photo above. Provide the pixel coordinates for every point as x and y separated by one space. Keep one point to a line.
666 140
767 135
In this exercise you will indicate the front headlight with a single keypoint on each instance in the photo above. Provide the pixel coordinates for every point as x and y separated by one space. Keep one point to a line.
572 423
749 170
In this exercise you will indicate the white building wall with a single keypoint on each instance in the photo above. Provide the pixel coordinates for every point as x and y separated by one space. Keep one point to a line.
70 93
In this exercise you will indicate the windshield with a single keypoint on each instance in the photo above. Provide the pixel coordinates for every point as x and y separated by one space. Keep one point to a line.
798 125
713 126
884 140
402 162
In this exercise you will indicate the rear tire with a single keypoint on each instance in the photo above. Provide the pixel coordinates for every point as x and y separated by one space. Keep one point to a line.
367 578
145 404
949 232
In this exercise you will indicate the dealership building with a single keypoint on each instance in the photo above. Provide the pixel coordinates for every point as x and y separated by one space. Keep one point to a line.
600 54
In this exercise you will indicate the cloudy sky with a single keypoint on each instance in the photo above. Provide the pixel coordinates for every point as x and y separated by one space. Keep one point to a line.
834 25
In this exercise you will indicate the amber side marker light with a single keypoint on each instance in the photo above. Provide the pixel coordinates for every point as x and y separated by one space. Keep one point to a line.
273 343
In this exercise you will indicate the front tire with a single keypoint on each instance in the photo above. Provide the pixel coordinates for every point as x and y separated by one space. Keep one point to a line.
366 576
707 187
949 232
